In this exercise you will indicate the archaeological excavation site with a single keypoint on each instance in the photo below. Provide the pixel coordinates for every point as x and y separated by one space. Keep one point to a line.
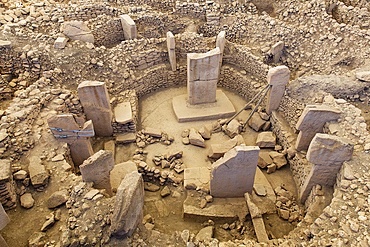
173 123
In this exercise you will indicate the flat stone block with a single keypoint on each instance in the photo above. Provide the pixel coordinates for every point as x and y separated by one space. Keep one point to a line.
119 172
60 43
222 108
124 138
199 176
123 113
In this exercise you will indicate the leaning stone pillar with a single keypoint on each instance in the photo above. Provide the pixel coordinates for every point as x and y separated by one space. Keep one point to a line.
277 77
65 128
233 175
312 121
220 43
171 50
95 101
327 153
203 71
97 169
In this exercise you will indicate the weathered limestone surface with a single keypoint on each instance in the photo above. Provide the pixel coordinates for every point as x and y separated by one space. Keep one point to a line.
95 101
326 152
128 206
123 113
38 174
266 139
110 146
97 169
218 150
80 146
129 27
119 172
267 203
277 51
203 71
171 50
258 224
5 171
233 175
277 77
60 42
220 43
312 121
363 76
4 219
196 139
77 30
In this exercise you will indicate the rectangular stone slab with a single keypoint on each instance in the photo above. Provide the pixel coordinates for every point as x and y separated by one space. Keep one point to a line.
123 113
185 112
129 27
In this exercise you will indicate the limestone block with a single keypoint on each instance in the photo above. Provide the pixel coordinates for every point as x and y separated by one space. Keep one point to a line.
205 133
196 139
57 198
266 139
110 146
233 128
205 233
171 50
129 27
4 219
128 206
312 121
60 43
38 174
97 169
363 76
277 51
233 175
278 158
27 200
264 159
278 77
218 150
5 171
123 113
220 43
327 152
256 122
203 71
153 132
258 224
95 101
126 138
119 172
77 30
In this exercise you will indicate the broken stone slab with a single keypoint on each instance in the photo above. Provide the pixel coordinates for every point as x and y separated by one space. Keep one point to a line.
258 224
266 139
97 169
277 77
233 128
48 224
278 158
4 219
203 72
171 50
233 175
5 171
271 168
327 153
27 200
264 159
277 51
60 43
196 177
38 174
205 133
77 30
66 129
363 76
110 146
256 122
128 206
267 203
124 138
259 189
205 234
119 172
95 101
129 27
37 239
218 150
196 139
311 122
153 132
57 198
123 113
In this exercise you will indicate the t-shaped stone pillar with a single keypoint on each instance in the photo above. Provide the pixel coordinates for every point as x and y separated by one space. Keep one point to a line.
95 101
97 169
65 128
326 152
171 50
277 77
203 71
233 175
312 121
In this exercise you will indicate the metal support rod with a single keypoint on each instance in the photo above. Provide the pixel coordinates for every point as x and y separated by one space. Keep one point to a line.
258 104
250 102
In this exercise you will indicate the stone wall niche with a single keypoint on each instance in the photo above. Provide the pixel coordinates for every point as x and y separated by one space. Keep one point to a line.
95 101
